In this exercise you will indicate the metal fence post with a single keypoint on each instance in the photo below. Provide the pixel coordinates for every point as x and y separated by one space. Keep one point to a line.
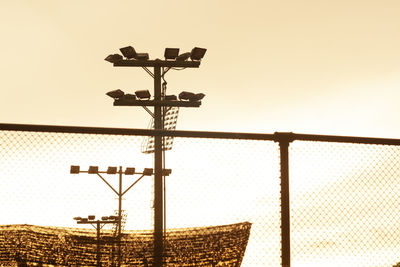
284 140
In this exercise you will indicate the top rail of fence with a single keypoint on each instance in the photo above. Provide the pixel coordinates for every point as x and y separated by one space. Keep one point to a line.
277 136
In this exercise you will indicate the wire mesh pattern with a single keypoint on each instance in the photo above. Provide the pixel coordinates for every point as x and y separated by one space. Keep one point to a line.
205 246
344 197
344 204
213 182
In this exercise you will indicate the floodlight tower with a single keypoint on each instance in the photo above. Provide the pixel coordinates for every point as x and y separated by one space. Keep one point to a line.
75 169
172 60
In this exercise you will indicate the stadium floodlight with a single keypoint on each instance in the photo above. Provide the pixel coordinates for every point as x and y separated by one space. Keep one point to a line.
183 57
113 217
197 53
113 58
143 94
170 97
84 220
116 94
129 171
142 56
111 170
128 52
166 172
77 218
171 53
192 97
104 218
91 217
197 97
93 169
75 169
148 171
186 95
129 97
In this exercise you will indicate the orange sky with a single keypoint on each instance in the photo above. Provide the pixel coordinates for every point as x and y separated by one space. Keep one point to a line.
327 67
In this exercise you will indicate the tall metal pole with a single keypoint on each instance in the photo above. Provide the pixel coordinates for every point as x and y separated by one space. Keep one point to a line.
158 181
284 139
119 215
98 243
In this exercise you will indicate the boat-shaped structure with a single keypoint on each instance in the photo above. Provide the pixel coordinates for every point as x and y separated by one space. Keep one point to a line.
30 245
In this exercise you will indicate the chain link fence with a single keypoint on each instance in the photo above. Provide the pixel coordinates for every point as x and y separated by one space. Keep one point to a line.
345 201
223 197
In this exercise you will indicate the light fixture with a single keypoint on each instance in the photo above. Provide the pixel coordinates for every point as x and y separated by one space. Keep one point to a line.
116 94
147 171
84 220
171 53
128 52
186 95
143 94
166 172
197 97
170 97
112 217
129 171
104 218
113 58
192 97
129 97
91 217
93 169
111 170
197 53
75 169
142 56
183 57
77 218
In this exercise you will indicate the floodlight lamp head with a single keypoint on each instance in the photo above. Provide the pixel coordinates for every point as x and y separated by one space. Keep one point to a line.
186 95
129 97
197 97
143 94
113 58
166 172
171 53
148 172
142 56
129 171
116 94
111 170
104 218
128 52
91 217
77 218
197 53
170 97
93 169
74 169
183 57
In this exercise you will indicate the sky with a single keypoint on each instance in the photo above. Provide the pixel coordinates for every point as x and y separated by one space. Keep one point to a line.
324 67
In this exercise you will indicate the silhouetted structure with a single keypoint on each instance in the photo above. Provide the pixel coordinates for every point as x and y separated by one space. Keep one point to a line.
201 246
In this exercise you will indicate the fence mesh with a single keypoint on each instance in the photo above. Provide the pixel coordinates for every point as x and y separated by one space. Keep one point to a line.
344 204
213 182
344 200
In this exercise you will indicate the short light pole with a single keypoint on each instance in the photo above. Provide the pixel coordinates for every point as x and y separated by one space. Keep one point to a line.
98 225
162 101
75 169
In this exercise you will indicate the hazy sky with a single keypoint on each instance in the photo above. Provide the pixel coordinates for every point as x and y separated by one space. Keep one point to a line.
311 66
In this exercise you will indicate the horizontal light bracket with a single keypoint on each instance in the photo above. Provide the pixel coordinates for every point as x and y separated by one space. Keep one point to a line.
153 103
157 63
